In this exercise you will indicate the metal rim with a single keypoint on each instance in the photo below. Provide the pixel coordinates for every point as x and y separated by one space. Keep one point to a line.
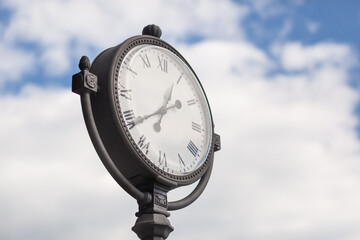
122 50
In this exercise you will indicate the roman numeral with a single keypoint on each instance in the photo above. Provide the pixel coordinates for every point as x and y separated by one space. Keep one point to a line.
181 162
126 93
196 127
146 62
143 145
162 159
162 64
179 78
192 148
132 71
129 116
191 102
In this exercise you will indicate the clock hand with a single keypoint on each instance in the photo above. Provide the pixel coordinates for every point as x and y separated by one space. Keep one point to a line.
141 119
177 105
156 125
167 96
162 110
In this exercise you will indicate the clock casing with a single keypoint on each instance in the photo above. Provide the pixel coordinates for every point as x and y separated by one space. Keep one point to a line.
111 124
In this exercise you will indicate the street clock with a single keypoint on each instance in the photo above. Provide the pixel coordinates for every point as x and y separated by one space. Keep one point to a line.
150 122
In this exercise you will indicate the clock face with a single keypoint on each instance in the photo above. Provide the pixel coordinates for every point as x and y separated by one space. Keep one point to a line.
164 108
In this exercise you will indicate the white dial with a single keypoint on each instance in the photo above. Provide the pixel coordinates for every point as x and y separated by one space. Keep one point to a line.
165 109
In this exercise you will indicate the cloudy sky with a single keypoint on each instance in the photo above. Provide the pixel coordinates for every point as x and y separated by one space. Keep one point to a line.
282 78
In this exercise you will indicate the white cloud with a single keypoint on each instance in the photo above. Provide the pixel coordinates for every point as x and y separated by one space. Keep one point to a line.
57 26
14 63
295 56
52 184
268 8
240 58
56 60
290 151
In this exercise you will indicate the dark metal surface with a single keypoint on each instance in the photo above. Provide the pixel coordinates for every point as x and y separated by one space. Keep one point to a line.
152 222
84 81
101 150
217 143
152 30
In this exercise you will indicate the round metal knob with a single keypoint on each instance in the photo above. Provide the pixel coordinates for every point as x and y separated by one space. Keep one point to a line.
152 30
84 63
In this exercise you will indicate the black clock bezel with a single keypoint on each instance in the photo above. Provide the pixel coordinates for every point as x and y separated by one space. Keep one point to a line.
129 151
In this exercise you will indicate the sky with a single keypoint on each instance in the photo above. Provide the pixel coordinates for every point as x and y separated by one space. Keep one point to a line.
283 82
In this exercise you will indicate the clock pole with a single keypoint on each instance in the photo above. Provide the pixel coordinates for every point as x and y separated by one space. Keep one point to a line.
152 222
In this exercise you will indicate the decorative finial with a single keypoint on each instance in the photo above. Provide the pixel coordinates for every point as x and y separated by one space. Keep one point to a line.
152 30
84 63
84 81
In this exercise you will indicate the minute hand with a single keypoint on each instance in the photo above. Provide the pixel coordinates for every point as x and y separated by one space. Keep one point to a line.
141 119
161 111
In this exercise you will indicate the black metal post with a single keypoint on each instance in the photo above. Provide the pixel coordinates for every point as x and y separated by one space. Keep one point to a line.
152 222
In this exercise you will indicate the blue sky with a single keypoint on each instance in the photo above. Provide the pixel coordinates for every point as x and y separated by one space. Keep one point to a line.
282 78
331 21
